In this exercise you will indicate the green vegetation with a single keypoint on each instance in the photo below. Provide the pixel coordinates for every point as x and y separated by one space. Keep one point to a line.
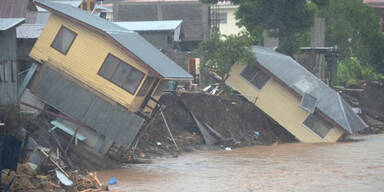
220 52
351 26
350 72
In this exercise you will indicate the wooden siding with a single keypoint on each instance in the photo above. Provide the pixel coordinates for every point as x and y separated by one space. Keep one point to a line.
8 67
280 104
84 59
67 96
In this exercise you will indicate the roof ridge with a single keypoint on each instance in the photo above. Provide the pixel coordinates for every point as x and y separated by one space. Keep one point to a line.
344 114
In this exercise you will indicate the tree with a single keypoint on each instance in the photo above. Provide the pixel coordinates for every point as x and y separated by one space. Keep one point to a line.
220 52
353 27
285 19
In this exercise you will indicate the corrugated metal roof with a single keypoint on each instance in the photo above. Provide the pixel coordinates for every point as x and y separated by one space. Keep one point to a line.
304 82
71 3
7 23
164 25
128 39
29 31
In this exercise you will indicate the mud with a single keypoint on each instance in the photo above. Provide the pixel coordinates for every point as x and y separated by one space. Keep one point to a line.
233 117
347 166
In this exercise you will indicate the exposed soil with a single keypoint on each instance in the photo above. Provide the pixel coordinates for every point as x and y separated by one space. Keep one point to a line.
233 117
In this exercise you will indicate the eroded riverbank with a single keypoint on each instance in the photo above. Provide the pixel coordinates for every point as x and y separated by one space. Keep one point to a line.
345 166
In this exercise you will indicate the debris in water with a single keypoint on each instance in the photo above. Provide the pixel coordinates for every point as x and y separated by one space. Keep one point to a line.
112 181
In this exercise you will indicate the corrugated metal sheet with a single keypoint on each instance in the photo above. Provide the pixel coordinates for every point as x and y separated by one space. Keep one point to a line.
71 3
114 122
304 82
169 25
128 39
8 67
7 23
29 31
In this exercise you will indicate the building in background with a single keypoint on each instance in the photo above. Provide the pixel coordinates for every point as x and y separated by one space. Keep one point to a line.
223 17
165 34
193 13
8 61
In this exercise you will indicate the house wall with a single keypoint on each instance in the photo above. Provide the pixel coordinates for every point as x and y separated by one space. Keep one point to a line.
280 104
230 28
8 67
84 59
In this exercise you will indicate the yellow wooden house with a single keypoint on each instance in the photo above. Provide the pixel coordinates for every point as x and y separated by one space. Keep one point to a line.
294 97
97 72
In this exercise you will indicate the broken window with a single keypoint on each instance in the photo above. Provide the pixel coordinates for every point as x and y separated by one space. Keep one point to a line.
160 89
64 40
255 76
147 83
318 124
121 74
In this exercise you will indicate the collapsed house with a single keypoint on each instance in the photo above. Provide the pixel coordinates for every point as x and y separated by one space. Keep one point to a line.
294 97
99 74
8 61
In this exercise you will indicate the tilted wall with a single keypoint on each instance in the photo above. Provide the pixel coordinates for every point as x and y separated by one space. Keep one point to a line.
85 58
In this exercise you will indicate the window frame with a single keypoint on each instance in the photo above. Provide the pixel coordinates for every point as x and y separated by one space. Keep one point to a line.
310 129
222 21
70 45
110 80
269 78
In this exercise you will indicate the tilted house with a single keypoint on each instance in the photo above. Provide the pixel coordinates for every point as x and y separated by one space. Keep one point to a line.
294 97
98 73
8 60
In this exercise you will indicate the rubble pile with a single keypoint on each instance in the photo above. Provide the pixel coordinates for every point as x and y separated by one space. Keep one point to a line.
238 121
41 165
368 100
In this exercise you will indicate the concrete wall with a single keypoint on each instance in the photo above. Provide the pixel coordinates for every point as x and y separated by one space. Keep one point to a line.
8 67
230 28
195 15
280 104
84 59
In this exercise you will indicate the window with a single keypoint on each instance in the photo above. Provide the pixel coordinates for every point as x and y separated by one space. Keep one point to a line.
160 89
255 76
222 18
318 125
64 40
121 74
147 83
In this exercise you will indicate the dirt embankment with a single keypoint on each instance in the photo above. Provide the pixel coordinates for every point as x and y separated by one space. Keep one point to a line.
233 117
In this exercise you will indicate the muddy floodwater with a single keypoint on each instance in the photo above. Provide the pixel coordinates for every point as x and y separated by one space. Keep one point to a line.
344 166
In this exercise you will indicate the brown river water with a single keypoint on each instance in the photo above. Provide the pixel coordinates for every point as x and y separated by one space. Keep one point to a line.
343 166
